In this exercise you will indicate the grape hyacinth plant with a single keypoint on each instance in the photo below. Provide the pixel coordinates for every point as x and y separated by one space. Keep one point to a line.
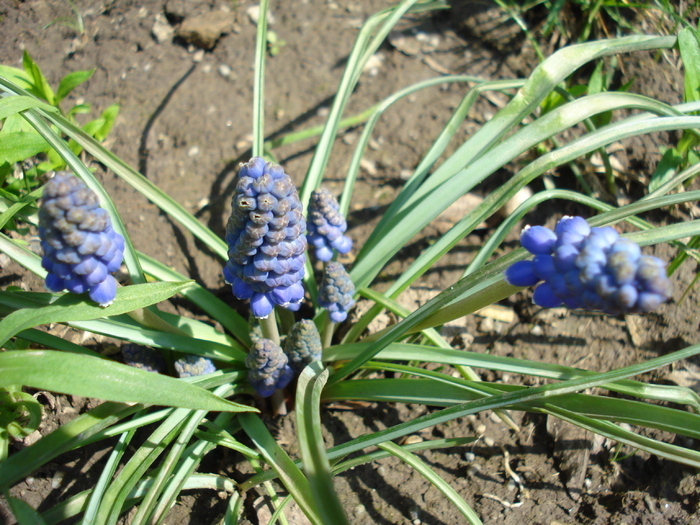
266 239
591 268
81 250
157 429
327 226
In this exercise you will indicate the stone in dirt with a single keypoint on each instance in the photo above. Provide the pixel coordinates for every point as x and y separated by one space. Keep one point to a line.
205 30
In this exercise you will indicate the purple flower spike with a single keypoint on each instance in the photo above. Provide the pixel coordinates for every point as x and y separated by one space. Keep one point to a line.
81 250
591 268
265 237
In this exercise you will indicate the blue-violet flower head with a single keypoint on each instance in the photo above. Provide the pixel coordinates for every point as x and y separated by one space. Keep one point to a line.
326 226
266 239
267 367
336 291
81 250
591 268
303 344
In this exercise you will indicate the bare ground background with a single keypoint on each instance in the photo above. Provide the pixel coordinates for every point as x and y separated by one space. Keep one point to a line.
185 122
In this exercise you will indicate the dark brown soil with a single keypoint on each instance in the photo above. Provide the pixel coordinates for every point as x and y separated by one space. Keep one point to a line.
185 122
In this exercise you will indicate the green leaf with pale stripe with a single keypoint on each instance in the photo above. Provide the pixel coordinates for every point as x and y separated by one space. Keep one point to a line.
88 376
69 307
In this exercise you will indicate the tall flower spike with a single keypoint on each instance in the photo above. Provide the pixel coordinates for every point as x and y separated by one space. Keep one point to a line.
303 344
193 365
335 292
266 240
81 250
267 367
590 268
327 226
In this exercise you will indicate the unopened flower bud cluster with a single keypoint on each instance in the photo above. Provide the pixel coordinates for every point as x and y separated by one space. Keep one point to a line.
267 367
335 293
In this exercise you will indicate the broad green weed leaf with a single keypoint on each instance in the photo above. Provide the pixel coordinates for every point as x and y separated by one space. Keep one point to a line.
109 116
69 307
690 53
70 82
40 86
17 76
665 169
20 145
94 377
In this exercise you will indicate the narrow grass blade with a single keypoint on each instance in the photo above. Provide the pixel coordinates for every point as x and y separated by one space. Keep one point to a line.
439 483
259 82
511 365
289 474
112 503
69 436
531 394
93 502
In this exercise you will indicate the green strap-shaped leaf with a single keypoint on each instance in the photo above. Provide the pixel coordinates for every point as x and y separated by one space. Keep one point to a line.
71 307
89 376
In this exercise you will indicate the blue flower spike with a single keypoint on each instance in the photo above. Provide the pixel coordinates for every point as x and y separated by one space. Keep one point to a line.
267 367
590 268
303 345
81 250
191 365
327 226
336 291
266 239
